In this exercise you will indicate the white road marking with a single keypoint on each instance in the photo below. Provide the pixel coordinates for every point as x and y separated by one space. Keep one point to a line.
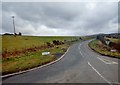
107 61
81 54
80 44
99 73
80 50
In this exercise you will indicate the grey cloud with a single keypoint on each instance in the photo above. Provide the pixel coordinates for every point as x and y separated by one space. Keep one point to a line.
72 18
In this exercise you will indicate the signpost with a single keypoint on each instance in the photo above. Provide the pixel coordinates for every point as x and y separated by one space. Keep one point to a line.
107 42
45 53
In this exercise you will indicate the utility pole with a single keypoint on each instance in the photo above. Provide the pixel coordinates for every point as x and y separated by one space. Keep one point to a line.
13 24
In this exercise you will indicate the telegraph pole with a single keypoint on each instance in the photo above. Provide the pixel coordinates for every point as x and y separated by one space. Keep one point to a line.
13 24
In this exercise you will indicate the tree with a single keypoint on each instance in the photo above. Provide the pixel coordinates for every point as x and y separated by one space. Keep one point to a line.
20 33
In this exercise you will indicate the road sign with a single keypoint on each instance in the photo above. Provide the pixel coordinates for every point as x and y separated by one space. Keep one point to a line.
45 53
107 42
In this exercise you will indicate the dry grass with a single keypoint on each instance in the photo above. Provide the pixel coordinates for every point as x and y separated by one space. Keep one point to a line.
24 52
97 46
30 60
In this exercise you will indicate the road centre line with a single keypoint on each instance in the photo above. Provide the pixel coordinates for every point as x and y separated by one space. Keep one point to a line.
99 74
110 62
80 50
107 61
81 53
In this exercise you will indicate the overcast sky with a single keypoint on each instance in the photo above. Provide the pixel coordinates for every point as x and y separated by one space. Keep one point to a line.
60 18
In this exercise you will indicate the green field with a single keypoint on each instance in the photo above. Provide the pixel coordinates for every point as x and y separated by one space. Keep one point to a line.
11 43
25 59
97 46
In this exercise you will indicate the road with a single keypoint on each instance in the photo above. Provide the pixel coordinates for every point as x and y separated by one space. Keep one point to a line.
79 65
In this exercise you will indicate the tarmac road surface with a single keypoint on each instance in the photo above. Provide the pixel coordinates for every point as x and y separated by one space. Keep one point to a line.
79 65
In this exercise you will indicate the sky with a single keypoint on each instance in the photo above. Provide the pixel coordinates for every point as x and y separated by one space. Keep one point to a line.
60 18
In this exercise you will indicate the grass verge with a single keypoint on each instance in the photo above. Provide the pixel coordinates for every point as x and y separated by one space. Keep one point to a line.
31 60
97 46
25 52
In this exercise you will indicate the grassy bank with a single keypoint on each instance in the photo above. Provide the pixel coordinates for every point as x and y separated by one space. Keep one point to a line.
97 46
30 60
25 52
